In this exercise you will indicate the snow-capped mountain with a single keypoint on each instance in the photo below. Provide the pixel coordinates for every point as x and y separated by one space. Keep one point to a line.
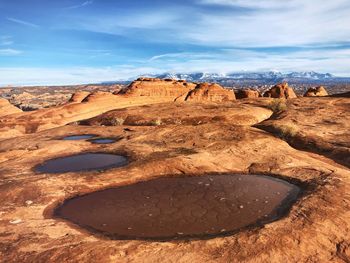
269 77
250 78
202 76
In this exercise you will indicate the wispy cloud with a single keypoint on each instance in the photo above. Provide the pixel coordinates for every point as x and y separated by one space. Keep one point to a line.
22 22
10 52
6 40
86 3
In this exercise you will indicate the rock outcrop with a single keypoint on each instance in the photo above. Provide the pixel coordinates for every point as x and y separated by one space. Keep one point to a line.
281 91
247 94
316 92
79 96
318 224
210 92
144 91
152 87
342 95
6 108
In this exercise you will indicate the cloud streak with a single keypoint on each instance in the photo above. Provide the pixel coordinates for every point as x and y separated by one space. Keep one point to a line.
22 22
86 3
10 52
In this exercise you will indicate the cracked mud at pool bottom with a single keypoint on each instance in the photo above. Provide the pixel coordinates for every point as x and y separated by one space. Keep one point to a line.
181 207
82 162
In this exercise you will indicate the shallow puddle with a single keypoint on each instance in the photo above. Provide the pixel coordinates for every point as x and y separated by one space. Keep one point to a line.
103 141
82 162
181 207
79 137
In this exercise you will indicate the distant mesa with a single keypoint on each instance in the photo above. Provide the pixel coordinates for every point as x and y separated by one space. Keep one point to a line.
210 92
247 94
281 90
316 92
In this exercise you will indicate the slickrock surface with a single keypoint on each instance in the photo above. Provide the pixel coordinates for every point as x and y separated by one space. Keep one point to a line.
321 125
316 229
316 92
247 94
210 92
281 91
183 114
6 108
140 92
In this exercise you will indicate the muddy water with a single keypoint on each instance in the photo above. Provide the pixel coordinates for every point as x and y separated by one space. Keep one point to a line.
79 137
181 207
82 162
103 141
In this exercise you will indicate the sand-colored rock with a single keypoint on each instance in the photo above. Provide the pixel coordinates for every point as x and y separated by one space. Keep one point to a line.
152 87
316 92
183 114
79 96
281 91
316 229
210 92
320 125
247 94
6 108
143 91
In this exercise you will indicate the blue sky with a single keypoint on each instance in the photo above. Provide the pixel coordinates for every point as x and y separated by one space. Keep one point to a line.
82 41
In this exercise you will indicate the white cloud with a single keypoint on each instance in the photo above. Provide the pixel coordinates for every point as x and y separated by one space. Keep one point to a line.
68 76
250 3
9 52
86 3
269 23
230 60
6 40
22 22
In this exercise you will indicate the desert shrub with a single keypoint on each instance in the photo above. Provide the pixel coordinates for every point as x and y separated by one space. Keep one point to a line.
277 105
115 121
288 131
156 122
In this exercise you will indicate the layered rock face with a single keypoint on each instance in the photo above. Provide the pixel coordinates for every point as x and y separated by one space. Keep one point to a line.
281 91
247 94
6 108
149 87
210 92
316 92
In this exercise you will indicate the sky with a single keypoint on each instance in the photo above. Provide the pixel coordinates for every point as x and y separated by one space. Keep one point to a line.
47 42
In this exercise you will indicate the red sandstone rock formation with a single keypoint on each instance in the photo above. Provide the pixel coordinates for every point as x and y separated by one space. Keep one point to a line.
152 87
210 92
280 91
247 94
79 96
6 108
316 92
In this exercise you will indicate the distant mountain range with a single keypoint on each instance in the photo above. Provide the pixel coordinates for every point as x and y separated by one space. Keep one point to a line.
245 78
250 78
